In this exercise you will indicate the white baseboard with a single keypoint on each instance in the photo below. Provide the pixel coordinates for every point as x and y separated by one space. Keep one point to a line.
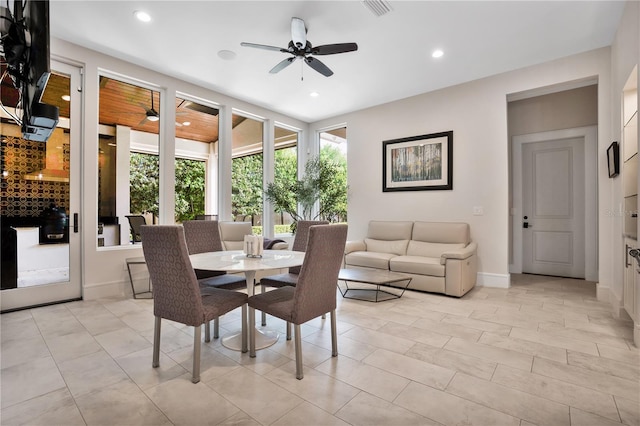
485 279
97 291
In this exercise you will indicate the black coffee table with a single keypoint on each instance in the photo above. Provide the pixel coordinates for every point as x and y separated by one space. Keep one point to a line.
377 278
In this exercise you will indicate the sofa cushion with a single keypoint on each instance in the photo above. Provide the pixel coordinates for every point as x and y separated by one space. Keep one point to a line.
398 247
419 248
417 265
389 230
442 232
369 259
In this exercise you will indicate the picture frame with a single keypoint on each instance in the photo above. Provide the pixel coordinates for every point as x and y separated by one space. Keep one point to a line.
418 163
613 159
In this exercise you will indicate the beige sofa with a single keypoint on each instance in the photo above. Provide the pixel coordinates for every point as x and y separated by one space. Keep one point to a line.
439 256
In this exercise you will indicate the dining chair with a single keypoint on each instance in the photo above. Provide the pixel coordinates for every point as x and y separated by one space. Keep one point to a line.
204 236
135 222
177 293
314 293
291 277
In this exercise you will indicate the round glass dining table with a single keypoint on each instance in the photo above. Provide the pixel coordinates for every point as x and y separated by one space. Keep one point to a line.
237 261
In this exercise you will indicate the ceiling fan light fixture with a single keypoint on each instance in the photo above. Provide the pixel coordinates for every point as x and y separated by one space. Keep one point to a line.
377 7
153 118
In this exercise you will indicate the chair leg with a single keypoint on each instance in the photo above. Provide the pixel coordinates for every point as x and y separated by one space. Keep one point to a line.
156 343
264 315
216 327
207 331
196 354
244 328
288 330
334 334
252 332
298 339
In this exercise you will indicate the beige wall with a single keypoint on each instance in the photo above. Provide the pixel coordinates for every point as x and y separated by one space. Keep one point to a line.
561 110
477 113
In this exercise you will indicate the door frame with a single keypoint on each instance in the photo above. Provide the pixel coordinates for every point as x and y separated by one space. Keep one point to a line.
32 296
590 137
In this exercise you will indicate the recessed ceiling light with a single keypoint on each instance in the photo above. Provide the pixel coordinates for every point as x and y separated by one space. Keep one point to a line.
227 55
186 123
437 53
314 94
66 98
142 16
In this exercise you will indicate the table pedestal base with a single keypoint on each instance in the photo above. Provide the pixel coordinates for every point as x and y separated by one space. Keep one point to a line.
264 339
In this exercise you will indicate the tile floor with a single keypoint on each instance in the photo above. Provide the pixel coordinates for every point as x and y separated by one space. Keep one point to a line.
544 352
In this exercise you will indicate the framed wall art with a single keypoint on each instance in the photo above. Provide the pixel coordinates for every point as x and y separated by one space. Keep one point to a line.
418 163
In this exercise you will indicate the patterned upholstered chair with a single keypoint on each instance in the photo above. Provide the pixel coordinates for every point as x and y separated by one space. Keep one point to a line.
203 236
291 278
177 293
314 293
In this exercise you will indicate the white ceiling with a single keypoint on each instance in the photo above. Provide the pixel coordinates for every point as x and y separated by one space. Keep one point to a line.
393 61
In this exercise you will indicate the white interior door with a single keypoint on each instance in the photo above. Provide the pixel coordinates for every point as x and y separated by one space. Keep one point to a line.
48 273
553 208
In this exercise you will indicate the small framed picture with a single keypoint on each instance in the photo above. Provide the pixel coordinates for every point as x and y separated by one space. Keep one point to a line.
613 159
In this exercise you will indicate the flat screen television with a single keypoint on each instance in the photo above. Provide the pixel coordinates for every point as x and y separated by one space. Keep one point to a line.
26 50
39 119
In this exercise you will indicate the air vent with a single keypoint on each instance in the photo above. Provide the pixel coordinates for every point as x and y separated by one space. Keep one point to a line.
377 7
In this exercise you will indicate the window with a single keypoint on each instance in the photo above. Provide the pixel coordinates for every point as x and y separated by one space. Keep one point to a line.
333 192
196 165
285 170
247 171
128 166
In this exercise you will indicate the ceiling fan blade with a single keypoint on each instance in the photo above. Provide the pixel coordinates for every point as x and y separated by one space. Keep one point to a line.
319 66
298 33
264 47
143 122
282 65
332 49
146 108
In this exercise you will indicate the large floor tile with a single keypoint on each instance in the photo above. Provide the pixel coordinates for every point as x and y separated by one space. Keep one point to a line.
90 373
367 410
370 379
318 388
448 409
413 369
451 360
184 402
491 353
569 394
257 396
508 400
128 405
616 386
31 379
54 408
308 414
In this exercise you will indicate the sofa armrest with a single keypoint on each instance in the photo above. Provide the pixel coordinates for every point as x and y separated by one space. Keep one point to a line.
352 246
462 253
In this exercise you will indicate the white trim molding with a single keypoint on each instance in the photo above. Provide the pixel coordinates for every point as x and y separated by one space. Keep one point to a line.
486 279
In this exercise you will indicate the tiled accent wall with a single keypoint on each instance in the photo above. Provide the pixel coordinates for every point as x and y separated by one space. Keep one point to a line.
27 198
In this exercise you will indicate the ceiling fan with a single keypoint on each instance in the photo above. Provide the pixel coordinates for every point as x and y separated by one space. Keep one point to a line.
150 113
301 48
